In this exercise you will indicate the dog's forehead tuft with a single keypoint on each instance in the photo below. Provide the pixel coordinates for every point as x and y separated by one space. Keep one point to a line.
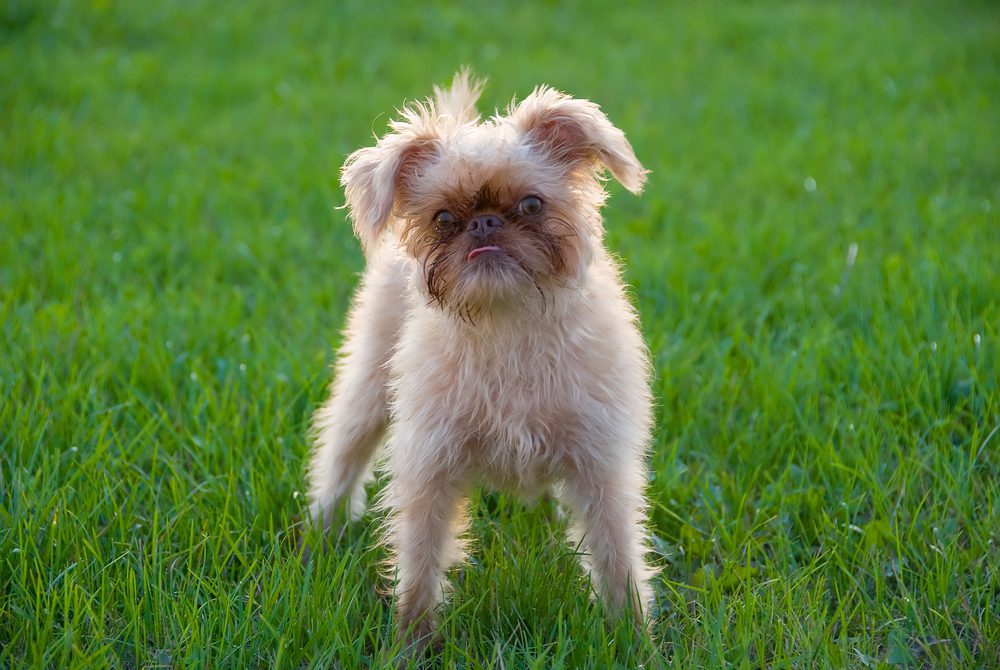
484 143
487 157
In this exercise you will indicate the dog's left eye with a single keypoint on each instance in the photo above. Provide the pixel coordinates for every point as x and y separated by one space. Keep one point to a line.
530 205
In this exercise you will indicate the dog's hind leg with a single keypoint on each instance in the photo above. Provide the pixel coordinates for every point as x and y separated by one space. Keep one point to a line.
350 425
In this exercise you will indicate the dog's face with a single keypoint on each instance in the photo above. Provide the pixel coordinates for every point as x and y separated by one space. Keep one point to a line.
494 212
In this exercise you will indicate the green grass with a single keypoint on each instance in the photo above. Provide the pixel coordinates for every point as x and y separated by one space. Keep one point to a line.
816 260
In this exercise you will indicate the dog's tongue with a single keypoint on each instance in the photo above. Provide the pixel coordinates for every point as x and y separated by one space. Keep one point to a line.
480 250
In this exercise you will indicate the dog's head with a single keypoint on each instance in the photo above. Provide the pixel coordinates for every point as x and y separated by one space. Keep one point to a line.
495 212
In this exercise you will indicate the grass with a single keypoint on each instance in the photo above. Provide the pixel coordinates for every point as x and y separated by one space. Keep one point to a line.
815 261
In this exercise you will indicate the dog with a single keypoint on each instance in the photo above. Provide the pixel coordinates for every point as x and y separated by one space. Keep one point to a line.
491 340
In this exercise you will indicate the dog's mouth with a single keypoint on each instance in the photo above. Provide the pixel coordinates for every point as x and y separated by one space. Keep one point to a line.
478 251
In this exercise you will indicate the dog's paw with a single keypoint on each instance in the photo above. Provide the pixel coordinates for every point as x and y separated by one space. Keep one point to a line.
419 637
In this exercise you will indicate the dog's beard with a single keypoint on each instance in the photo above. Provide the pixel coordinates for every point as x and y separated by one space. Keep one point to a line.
521 273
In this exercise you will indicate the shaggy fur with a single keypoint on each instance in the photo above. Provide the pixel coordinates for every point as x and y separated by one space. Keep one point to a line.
491 344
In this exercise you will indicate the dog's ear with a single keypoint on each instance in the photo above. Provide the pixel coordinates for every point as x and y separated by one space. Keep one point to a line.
577 132
374 177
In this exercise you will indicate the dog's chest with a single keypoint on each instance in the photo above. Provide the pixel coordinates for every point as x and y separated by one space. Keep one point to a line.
516 403
521 402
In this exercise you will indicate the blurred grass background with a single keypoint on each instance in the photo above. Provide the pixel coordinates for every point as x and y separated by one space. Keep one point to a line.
814 260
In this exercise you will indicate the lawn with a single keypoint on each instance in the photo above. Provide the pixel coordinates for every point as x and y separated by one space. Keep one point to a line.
816 261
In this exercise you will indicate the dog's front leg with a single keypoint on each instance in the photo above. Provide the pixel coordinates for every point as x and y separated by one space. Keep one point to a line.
426 519
608 509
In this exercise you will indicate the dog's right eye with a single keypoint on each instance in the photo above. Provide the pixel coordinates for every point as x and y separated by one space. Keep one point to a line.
444 219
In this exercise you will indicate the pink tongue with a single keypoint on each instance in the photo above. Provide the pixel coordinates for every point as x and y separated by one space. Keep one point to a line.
480 250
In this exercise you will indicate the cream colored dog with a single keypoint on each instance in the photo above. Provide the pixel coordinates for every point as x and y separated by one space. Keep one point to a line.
491 339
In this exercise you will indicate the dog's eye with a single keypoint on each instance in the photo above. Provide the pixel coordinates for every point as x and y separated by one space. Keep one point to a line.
444 219
530 205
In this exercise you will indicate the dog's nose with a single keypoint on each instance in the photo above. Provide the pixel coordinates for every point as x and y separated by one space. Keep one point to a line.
484 224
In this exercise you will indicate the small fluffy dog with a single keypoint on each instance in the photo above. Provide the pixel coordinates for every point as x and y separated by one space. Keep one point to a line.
491 339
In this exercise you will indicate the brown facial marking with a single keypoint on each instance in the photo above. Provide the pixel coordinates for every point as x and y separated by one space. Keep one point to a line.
486 198
538 246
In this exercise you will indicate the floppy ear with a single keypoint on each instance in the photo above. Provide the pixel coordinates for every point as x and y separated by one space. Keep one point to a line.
577 132
373 176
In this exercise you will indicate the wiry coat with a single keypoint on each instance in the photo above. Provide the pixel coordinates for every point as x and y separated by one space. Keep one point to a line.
510 357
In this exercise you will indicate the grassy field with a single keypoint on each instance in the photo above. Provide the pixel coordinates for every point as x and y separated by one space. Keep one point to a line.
816 260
